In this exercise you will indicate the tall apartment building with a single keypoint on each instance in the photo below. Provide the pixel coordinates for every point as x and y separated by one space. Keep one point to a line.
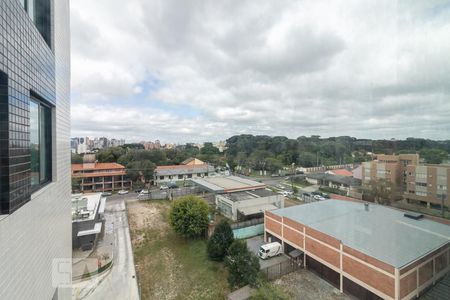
428 184
392 168
35 211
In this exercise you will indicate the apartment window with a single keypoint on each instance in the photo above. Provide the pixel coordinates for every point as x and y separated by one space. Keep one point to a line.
442 187
421 184
161 177
40 143
189 176
180 176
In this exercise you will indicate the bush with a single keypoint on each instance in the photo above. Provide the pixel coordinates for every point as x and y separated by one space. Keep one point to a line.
189 216
220 241
243 266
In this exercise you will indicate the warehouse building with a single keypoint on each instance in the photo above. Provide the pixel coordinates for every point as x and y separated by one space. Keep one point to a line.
240 199
368 251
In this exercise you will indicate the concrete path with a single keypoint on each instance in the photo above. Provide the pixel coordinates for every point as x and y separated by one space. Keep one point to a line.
120 282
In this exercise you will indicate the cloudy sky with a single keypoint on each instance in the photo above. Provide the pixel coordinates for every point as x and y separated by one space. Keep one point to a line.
206 70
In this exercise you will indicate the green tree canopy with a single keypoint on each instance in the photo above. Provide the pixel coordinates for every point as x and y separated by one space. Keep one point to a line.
220 241
189 216
433 156
243 266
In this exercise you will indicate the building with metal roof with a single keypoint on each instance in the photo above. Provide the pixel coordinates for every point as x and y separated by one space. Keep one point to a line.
239 198
367 250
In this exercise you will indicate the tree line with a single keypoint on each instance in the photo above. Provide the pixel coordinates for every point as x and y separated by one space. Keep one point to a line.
263 152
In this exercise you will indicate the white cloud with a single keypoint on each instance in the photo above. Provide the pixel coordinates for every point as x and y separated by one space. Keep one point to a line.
378 69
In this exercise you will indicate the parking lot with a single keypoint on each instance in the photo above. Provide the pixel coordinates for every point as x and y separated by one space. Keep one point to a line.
253 245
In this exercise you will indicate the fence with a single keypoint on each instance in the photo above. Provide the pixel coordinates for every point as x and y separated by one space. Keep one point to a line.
278 270
325 168
247 223
170 193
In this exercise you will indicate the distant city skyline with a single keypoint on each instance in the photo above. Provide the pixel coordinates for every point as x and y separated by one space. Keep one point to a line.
197 71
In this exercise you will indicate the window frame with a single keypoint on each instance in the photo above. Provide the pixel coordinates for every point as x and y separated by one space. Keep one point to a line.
45 114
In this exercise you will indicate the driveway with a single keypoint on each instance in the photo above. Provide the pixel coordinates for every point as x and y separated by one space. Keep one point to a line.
120 282
253 245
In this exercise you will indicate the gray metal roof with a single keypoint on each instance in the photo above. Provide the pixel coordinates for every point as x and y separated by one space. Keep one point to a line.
247 195
222 184
347 180
382 232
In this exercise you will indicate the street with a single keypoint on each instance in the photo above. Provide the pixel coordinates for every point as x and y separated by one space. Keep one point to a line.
120 282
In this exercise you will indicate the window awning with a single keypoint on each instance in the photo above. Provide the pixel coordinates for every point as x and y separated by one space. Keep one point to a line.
251 210
96 230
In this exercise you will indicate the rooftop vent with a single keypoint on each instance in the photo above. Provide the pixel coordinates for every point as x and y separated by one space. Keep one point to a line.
413 216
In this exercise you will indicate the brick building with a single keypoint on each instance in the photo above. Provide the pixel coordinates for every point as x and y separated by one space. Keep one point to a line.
391 168
368 251
100 177
428 184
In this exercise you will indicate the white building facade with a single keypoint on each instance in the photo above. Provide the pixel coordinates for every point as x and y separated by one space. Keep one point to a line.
35 208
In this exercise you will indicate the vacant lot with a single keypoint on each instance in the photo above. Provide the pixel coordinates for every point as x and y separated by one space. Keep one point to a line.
170 267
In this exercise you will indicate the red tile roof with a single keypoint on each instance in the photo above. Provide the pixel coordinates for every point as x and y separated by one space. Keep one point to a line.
342 172
96 166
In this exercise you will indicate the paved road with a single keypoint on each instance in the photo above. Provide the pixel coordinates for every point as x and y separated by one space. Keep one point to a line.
120 282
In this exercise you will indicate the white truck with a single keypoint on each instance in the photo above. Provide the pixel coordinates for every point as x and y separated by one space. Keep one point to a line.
270 250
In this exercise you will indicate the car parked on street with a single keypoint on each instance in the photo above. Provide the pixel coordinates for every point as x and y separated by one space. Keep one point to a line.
163 187
122 192
106 194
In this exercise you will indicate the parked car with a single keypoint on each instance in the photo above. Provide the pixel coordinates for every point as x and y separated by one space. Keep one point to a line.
319 197
270 250
144 192
137 191
122 192
163 187
286 178
172 185
280 186
106 194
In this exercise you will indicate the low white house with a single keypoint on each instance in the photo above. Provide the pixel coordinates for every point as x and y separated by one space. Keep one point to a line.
189 169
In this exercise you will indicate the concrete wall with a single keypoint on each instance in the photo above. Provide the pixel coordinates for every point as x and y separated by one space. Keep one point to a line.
277 200
40 231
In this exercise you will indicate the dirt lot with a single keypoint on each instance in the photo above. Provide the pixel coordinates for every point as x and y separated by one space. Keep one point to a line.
305 285
170 267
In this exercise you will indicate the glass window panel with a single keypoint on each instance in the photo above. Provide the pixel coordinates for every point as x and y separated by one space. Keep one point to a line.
34 143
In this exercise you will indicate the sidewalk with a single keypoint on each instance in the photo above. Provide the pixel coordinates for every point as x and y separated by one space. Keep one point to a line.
88 262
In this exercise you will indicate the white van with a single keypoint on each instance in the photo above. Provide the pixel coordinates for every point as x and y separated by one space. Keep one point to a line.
270 250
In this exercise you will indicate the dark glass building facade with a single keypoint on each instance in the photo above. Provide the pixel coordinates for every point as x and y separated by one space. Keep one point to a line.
27 68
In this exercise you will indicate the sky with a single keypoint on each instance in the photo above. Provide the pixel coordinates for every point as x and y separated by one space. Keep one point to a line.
195 71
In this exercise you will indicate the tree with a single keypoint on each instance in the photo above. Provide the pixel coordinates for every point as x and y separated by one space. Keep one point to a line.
220 241
189 216
382 190
243 266
76 158
433 156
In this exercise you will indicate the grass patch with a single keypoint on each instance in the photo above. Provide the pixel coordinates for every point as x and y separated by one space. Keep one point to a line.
171 267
